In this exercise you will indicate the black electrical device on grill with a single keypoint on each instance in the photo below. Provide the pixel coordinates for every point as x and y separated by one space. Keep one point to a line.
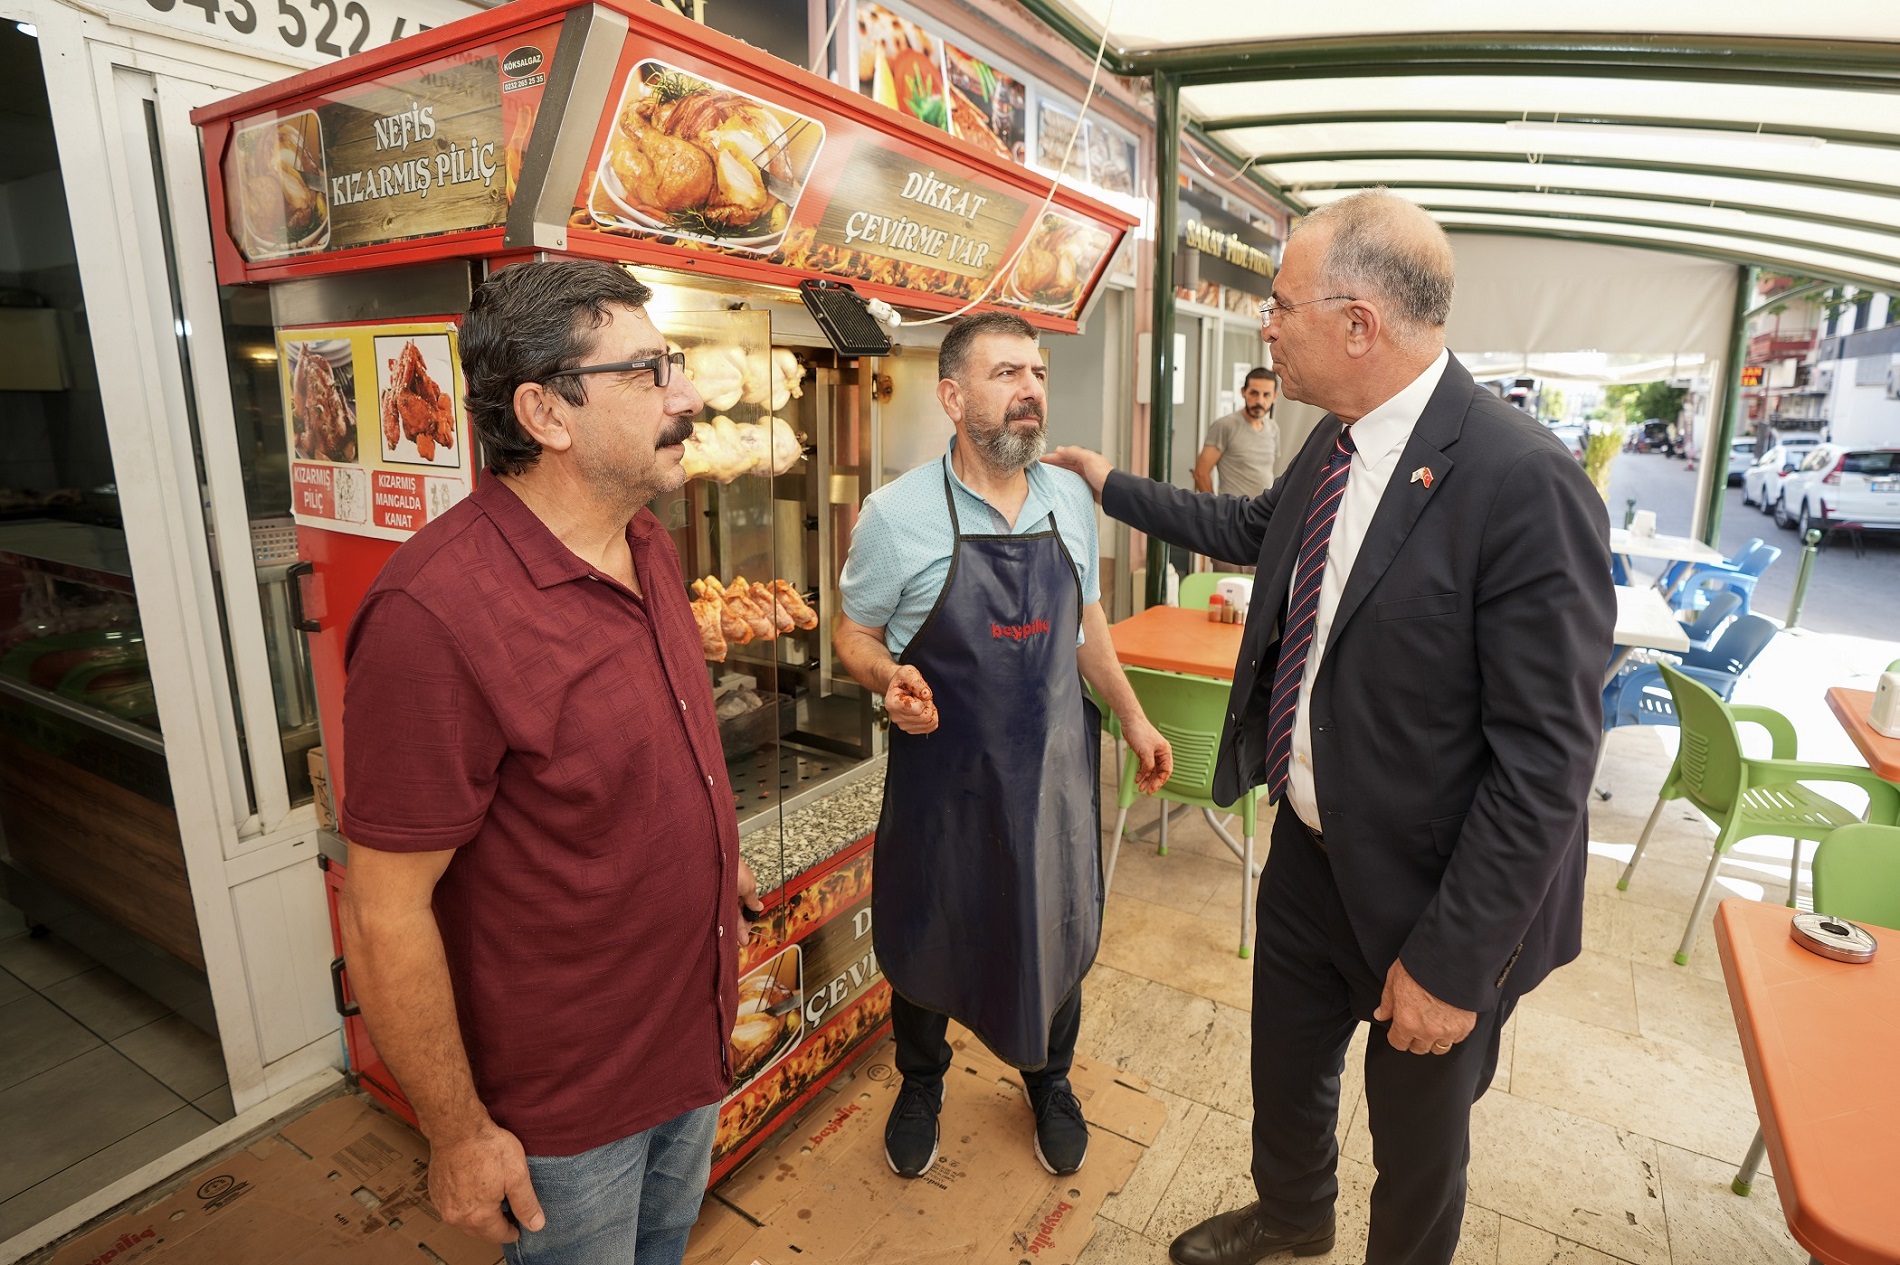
843 314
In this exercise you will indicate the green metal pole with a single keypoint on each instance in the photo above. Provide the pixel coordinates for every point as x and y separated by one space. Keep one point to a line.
1809 548
1161 336
1728 408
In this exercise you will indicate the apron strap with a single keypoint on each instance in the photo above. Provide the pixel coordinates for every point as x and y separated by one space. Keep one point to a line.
956 527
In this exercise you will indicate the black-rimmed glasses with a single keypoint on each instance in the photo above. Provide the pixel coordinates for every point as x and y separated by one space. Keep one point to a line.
1278 307
662 367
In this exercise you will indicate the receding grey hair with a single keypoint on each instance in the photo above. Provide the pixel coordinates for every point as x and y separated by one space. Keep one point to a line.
1386 247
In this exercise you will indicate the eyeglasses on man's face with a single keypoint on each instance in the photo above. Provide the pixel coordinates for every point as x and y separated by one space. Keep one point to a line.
1280 307
661 366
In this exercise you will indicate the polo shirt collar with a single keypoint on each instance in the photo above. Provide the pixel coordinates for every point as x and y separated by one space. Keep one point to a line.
1035 506
547 561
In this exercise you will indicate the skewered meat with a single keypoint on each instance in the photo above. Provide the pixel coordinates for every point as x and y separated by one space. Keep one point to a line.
803 616
414 407
769 601
732 625
742 612
786 449
712 637
787 375
719 373
758 618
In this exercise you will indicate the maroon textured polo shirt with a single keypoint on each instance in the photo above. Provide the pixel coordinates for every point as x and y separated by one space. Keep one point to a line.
507 700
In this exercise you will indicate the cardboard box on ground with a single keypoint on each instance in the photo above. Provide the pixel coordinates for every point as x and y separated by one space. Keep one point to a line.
346 1184
824 1193
343 1183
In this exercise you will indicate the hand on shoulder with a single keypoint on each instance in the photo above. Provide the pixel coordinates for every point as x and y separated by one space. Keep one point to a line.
1092 466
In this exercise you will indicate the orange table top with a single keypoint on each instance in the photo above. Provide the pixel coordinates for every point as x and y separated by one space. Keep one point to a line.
1819 1038
1170 639
1855 710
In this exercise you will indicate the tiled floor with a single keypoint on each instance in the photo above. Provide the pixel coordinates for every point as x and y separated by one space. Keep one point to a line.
1620 1110
96 1078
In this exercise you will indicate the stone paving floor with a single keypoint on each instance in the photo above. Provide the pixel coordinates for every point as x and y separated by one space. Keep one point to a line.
1621 1107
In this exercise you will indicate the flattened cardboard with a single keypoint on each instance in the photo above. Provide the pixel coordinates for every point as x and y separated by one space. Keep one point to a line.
825 1193
343 1183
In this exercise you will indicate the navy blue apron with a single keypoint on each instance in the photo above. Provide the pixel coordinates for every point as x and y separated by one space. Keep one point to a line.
988 887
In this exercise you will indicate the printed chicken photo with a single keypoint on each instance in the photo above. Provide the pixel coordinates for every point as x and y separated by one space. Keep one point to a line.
280 176
1058 261
414 407
323 424
694 159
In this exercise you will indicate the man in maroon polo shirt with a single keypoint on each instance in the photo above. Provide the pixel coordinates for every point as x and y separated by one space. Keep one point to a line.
542 915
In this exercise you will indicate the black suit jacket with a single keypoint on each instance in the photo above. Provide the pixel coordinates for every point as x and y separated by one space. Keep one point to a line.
1456 710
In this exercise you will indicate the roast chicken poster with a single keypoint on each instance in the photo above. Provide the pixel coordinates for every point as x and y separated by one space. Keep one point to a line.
433 150
704 160
377 429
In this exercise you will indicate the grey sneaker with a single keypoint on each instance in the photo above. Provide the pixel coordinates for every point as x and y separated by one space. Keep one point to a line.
910 1135
1062 1135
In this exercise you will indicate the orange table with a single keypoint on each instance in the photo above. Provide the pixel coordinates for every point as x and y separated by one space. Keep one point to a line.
1855 710
1171 639
1819 1040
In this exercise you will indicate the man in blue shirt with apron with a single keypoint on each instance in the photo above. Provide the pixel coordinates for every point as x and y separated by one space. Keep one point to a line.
971 604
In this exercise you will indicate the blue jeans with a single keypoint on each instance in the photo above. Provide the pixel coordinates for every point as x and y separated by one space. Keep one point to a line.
631 1200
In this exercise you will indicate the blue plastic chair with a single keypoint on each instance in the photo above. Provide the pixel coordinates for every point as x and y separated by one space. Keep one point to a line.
1680 570
1710 578
1703 629
1619 574
1638 696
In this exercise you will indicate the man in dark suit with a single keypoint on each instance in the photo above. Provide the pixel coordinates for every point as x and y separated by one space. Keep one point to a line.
1418 688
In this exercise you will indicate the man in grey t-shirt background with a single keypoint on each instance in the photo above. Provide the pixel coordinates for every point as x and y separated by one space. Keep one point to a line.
1242 445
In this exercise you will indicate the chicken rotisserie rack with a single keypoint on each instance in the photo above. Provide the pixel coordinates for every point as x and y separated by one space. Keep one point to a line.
745 611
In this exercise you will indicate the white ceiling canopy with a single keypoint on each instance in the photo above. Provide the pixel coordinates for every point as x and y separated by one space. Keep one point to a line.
1743 133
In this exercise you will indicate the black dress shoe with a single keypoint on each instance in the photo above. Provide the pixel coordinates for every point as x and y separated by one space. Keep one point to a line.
1240 1238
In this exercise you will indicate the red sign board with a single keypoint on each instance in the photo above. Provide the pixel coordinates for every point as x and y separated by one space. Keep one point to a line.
696 153
1752 375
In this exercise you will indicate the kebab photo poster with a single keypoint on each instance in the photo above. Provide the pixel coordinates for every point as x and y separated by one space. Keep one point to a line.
377 431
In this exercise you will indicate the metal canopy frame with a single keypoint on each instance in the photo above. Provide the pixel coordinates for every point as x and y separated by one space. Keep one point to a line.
1862 66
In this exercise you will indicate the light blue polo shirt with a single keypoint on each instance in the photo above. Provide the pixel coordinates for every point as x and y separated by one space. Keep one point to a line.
900 549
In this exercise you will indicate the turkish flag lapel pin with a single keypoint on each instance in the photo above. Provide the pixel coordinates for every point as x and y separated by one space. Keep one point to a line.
1423 475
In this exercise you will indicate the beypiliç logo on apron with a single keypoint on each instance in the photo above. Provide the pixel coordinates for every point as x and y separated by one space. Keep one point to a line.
1019 632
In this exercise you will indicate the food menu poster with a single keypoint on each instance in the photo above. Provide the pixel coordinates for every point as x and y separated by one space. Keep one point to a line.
434 149
378 432
702 160
810 993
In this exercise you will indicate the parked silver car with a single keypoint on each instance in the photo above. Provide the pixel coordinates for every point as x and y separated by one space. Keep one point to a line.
1836 484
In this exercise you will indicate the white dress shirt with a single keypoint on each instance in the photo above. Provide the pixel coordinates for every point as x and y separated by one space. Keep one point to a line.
1378 438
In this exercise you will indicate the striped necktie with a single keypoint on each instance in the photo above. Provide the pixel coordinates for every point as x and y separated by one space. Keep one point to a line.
1302 615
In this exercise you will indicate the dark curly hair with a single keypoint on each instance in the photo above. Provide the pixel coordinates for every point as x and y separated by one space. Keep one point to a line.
526 323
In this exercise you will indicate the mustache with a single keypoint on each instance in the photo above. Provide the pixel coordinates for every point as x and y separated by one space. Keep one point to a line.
678 433
1028 408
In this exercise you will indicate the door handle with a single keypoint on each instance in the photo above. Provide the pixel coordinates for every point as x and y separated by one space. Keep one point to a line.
347 1009
295 573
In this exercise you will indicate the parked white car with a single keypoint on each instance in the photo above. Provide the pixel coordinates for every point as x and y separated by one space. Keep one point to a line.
1761 482
1836 484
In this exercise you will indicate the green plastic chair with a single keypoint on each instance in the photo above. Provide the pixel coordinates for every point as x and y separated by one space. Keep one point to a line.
1856 877
1195 588
1188 711
1746 797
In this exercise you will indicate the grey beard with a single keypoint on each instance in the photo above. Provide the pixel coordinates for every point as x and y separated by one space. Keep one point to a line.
1008 449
